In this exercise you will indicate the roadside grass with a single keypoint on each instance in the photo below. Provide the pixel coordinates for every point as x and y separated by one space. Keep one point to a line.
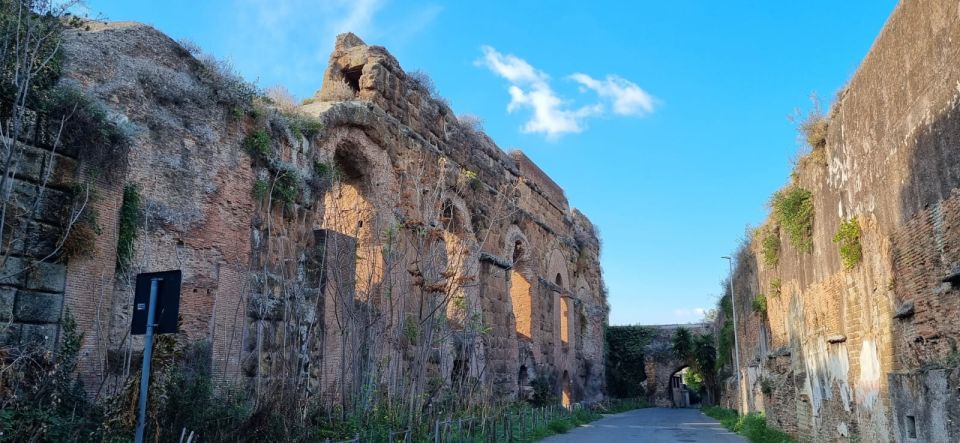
752 426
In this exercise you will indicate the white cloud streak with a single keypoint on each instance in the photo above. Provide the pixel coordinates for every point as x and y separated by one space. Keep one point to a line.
628 98
553 115
530 88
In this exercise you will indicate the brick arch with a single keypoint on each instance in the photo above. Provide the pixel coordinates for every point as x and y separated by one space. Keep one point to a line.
521 278
556 273
358 204
462 266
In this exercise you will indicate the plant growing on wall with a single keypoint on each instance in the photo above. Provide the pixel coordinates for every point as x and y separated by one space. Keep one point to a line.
257 144
770 246
625 352
775 287
760 304
130 221
848 240
793 210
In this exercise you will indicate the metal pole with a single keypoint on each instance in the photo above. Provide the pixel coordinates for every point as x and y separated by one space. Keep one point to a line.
736 347
145 369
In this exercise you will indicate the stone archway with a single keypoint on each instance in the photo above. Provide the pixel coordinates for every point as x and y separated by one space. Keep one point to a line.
660 364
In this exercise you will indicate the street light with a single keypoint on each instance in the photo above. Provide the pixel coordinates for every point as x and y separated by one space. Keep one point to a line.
736 347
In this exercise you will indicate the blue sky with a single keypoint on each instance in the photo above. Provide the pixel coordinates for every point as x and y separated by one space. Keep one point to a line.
665 122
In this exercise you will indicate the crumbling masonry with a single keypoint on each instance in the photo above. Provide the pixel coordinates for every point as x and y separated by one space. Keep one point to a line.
367 238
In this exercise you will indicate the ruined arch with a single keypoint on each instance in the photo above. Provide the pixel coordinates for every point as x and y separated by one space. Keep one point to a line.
517 249
461 272
558 276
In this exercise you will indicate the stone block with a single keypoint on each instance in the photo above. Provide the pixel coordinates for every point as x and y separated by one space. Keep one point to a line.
41 276
36 307
7 297
44 336
9 333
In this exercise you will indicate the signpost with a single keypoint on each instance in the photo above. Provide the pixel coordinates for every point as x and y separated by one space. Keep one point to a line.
156 306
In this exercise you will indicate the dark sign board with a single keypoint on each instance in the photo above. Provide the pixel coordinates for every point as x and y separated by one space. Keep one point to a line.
168 303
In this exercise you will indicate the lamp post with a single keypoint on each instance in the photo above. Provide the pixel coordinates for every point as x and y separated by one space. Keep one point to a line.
736 347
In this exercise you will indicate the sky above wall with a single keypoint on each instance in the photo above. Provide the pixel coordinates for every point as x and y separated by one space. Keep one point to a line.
665 122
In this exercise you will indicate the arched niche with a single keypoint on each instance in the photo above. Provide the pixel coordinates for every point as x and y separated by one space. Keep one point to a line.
521 297
358 202
556 266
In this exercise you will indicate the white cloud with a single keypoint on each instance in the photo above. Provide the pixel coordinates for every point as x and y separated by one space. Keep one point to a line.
694 314
627 97
530 88
553 115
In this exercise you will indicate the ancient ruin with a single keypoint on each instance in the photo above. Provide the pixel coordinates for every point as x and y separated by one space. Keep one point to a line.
846 297
367 238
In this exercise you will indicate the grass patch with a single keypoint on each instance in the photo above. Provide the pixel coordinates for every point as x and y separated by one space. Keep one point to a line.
848 239
752 426
793 209
770 248
760 304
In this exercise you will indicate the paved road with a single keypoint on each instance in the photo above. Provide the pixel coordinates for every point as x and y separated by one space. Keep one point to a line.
652 425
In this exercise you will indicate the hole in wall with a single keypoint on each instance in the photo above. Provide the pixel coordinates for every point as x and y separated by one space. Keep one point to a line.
352 77
911 423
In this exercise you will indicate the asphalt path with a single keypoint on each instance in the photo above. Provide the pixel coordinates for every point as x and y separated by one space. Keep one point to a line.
652 425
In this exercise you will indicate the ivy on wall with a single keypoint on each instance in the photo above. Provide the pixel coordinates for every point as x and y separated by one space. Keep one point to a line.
625 371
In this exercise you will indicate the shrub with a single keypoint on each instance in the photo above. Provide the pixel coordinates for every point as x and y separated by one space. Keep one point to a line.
130 221
760 304
228 87
339 90
43 400
770 246
99 141
286 187
260 189
471 122
848 239
423 81
257 144
625 359
793 210
281 97
766 386
303 125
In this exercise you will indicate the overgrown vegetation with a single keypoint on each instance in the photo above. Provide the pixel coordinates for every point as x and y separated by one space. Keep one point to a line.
699 353
130 221
726 340
848 240
258 144
770 248
760 304
40 397
624 357
793 210
813 127
753 426
286 187
78 223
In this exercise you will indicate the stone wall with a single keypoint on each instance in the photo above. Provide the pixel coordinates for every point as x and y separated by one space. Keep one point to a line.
858 353
394 264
